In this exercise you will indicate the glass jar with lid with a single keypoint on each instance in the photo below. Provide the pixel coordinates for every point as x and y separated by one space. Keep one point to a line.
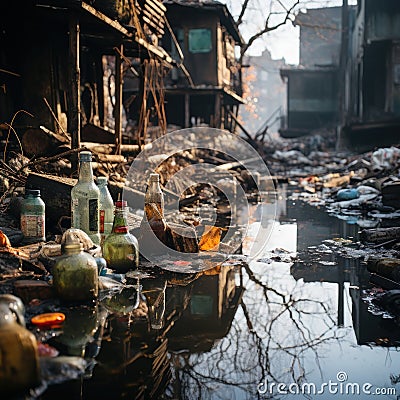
33 217
75 274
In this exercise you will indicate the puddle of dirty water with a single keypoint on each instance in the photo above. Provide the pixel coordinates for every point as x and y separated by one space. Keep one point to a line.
292 323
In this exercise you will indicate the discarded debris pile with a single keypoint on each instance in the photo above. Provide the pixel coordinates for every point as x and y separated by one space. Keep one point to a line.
365 191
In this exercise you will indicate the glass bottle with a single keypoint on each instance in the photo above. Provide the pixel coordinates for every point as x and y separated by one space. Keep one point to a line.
85 197
20 369
154 207
120 248
33 217
106 208
154 291
75 274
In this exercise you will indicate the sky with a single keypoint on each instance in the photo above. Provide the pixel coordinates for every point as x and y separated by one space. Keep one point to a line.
283 42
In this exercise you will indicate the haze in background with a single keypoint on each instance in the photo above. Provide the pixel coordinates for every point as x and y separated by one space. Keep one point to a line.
283 42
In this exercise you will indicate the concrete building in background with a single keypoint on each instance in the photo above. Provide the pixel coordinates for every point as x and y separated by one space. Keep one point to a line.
265 94
371 112
312 87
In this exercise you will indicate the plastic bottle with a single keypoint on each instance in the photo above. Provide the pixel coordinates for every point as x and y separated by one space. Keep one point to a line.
75 274
85 197
106 208
120 248
33 217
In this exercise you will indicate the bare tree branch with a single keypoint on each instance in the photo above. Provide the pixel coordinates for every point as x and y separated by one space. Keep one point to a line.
242 12
267 28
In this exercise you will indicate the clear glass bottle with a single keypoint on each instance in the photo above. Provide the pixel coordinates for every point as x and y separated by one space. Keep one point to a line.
154 207
106 213
120 248
33 217
75 274
154 199
85 197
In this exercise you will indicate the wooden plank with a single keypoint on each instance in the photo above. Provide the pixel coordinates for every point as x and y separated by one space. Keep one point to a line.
153 14
102 17
157 5
157 22
156 27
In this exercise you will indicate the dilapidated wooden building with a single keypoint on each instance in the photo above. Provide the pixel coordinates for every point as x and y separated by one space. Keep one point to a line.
204 87
372 101
62 65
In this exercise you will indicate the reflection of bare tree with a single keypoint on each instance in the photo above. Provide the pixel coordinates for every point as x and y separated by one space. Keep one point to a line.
272 335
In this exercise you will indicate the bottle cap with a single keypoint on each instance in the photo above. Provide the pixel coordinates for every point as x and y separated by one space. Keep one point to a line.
71 241
73 247
154 177
32 192
85 156
121 203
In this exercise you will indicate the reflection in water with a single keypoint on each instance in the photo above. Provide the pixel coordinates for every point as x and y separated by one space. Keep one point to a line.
225 331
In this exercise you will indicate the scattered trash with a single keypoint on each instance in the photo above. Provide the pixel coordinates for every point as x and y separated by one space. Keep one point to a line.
48 320
347 194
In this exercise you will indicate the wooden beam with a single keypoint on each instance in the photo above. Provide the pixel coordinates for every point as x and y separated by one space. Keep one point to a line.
187 110
74 96
107 20
118 98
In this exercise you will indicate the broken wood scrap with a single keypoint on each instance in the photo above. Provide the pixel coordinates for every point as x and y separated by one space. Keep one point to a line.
183 238
108 148
379 235
42 141
29 289
111 158
97 134
97 148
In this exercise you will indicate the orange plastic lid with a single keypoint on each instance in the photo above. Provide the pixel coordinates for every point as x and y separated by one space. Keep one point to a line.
48 320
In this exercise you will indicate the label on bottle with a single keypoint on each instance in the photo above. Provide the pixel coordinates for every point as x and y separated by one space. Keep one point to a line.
32 226
94 215
121 229
102 217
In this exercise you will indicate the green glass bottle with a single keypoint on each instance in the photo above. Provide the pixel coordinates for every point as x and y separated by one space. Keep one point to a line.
75 274
33 217
85 201
120 248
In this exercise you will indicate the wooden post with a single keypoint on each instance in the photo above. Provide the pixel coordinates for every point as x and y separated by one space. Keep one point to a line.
187 110
74 94
217 111
118 98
